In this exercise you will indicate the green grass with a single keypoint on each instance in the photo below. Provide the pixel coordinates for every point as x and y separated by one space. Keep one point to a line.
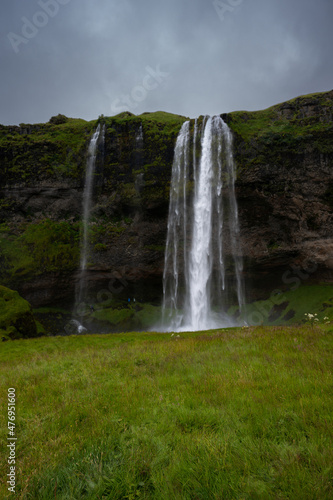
277 136
233 414
163 117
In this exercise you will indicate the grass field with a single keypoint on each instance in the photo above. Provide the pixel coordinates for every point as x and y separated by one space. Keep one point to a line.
241 413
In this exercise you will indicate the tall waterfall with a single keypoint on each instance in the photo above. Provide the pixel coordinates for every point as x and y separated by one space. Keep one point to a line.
86 209
203 261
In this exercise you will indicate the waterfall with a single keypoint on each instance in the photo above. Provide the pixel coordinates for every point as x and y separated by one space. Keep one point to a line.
203 261
139 136
177 231
86 209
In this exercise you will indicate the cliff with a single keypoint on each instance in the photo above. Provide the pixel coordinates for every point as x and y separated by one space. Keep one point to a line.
284 158
284 187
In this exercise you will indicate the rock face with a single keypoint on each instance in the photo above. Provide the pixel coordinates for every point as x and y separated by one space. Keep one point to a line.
16 319
284 187
285 190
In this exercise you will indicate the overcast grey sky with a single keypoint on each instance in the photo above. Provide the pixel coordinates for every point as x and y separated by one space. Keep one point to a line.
84 58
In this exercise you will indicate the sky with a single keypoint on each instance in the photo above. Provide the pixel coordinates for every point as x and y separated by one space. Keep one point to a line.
84 58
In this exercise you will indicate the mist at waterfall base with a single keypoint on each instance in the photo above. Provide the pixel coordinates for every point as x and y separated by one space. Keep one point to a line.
203 260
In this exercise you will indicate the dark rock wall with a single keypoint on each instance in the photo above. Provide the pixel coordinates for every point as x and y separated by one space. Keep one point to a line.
284 191
284 158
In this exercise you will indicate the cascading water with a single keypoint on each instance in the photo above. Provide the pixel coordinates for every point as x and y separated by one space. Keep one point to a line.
86 205
139 137
203 262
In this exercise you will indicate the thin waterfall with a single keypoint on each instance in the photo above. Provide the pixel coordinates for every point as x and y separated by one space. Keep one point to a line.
86 209
203 261
176 260
139 136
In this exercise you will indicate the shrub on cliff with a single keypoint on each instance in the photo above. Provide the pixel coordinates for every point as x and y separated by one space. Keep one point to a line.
16 319
58 120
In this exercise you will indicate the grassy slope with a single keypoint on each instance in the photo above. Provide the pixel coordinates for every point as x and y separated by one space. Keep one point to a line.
269 123
240 413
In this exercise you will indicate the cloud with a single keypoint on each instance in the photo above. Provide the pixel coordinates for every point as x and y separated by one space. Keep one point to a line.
92 53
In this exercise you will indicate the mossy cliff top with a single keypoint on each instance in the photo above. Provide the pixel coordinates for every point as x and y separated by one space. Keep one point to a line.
303 125
303 116
284 158
56 150
285 146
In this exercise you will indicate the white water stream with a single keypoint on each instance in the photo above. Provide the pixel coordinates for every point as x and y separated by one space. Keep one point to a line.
86 209
203 261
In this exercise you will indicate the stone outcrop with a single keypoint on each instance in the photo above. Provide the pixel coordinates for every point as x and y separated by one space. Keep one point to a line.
16 319
284 187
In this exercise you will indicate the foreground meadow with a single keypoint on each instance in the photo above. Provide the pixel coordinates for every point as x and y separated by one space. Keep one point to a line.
243 413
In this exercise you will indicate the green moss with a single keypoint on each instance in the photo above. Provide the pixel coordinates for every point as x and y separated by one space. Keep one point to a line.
163 117
284 129
289 307
43 247
35 152
155 248
100 247
16 319
40 329
113 316
149 316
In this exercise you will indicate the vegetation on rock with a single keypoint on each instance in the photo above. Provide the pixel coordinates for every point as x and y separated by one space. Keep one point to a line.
34 249
16 318
284 158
